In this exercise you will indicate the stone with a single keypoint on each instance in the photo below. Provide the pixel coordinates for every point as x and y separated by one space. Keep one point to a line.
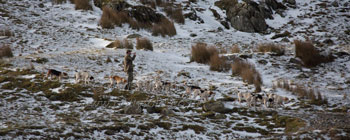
133 109
216 106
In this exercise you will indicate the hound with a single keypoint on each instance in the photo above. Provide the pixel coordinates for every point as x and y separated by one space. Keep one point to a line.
82 75
55 73
190 89
280 100
248 97
268 100
117 79
206 94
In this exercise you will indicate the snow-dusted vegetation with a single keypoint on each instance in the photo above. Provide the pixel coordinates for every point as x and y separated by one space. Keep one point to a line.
267 69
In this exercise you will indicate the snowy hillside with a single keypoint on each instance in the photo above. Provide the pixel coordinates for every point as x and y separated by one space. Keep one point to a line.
46 35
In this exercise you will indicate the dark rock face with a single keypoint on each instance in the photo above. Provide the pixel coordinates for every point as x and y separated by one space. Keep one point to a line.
247 17
142 14
145 14
250 16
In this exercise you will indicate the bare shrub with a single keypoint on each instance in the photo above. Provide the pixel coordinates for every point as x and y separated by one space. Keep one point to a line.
235 49
61 1
134 24
200 53
99 95
6 32
218 63
175 13
345 96
271 47
248 73
151 3
303 92
163 28
82 5
121 44
5 51
111 18
127 44
143 43
310 56
108 18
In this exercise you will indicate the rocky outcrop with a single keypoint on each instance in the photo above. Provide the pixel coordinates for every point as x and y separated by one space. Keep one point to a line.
249 16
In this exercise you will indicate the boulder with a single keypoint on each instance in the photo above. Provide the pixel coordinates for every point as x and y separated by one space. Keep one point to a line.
216 106
249 16
246 17
133 109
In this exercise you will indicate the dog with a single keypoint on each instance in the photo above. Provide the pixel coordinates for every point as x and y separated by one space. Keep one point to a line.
117 79
82 75
280 100
206 94
55 73
248 97
268 99
190 89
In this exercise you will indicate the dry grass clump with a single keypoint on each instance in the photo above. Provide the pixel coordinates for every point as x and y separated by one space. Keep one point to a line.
218 63
61 1
6 32
200 53
175 13
248 73
271 47
144 43
108 18
121 44
310 56
151 3
163 28
301 91
99 95
5 51
111 18
82 5
235 49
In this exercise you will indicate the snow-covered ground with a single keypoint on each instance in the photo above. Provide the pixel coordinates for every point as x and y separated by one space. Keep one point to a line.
72 40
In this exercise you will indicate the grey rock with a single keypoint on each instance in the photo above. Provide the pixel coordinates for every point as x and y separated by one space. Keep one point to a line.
216 106
133 109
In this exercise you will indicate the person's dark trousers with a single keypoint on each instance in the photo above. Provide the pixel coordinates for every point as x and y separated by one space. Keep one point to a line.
130 78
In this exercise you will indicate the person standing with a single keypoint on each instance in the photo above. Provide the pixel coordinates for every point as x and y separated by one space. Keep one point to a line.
129 68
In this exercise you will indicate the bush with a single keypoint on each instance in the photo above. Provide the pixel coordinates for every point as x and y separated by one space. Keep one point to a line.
310 56
235 49
61 1
218 63
151 3
175 14
82 5
5 51
99 95
128 44
302 92
108 18
271 47
6 32
111 18
163 28
200 53
143 43
248 73
124 44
